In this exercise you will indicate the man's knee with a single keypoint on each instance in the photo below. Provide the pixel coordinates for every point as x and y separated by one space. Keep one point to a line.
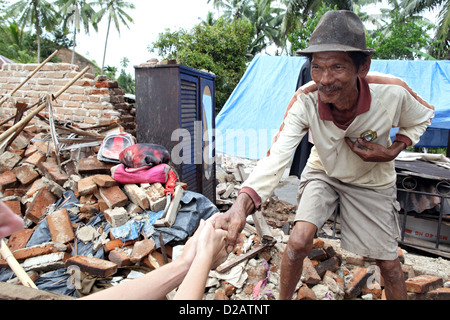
301 240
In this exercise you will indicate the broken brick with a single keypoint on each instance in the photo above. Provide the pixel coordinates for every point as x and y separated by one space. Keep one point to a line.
48 262
423 283
7 179
121 257
116 216
358 282
93 166
337 278
15 206
374 289
331 264
305 293
318 254
35 159
93 266
25 174
137 196
141 249
318 243
15 192
35 187
39 205
8 160
86 186
309 274
52 172
42 249
104 181
19 239
60 226
113 196
116 243
159 257
439 294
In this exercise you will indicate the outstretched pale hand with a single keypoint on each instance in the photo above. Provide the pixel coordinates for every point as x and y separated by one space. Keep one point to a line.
212 243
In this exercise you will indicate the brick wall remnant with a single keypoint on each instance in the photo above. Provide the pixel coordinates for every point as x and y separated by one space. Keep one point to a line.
90 101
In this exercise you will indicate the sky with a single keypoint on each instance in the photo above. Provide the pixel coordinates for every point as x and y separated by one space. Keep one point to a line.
151 17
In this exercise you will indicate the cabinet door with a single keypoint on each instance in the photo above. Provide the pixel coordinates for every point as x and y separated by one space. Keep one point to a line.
207 105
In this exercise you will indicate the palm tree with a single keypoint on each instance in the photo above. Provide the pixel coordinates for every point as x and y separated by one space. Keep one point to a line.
115 11
13 44
75 12
298 11
262 14
266 21
38 12
210 20
418 6
232 9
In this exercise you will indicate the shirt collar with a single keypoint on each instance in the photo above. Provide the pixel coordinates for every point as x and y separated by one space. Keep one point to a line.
362 105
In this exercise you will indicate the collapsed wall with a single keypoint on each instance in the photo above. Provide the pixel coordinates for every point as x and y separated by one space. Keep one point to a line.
89 102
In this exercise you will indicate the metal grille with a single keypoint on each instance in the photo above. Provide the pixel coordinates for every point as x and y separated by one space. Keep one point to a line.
188 118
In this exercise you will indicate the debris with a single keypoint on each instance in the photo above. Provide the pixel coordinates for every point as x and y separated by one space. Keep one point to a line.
329 272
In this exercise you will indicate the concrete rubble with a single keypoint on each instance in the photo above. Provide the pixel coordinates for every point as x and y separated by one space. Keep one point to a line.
330 273
34 181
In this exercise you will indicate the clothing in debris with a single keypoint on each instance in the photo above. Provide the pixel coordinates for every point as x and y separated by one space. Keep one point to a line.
144 154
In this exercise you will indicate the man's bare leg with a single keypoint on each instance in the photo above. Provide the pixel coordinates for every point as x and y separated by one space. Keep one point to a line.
394 280
299 246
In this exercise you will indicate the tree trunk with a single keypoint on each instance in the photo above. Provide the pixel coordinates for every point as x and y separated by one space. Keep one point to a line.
74 42
38 31
106 44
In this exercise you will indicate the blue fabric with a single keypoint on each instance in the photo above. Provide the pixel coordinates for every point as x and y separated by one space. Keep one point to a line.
255 110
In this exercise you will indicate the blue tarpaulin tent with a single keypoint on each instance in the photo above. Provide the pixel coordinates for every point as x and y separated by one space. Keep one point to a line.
255 110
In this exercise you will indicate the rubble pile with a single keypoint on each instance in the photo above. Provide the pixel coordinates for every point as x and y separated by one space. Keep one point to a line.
77 215
329 272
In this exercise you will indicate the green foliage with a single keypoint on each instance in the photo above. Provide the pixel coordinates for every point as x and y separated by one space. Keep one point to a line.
40 14
401 38
20 46
299 37
221 49
126 82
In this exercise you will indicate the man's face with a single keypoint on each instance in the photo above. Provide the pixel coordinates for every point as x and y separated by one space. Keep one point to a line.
336 77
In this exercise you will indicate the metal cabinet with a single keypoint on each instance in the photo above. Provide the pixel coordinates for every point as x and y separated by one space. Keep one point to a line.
175 108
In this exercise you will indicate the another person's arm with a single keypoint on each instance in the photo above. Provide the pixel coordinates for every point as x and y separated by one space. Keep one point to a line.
210 253
156 284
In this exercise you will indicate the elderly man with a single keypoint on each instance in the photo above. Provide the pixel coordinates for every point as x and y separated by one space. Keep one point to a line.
352 161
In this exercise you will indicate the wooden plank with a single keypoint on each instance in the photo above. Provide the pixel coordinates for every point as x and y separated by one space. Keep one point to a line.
228 265
15 292
262 228
169 217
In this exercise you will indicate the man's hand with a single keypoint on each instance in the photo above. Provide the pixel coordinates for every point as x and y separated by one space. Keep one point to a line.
373 152
233 220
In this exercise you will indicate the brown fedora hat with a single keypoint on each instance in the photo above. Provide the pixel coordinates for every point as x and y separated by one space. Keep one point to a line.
339 30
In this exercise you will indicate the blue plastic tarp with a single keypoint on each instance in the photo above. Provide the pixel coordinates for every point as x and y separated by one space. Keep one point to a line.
254 112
